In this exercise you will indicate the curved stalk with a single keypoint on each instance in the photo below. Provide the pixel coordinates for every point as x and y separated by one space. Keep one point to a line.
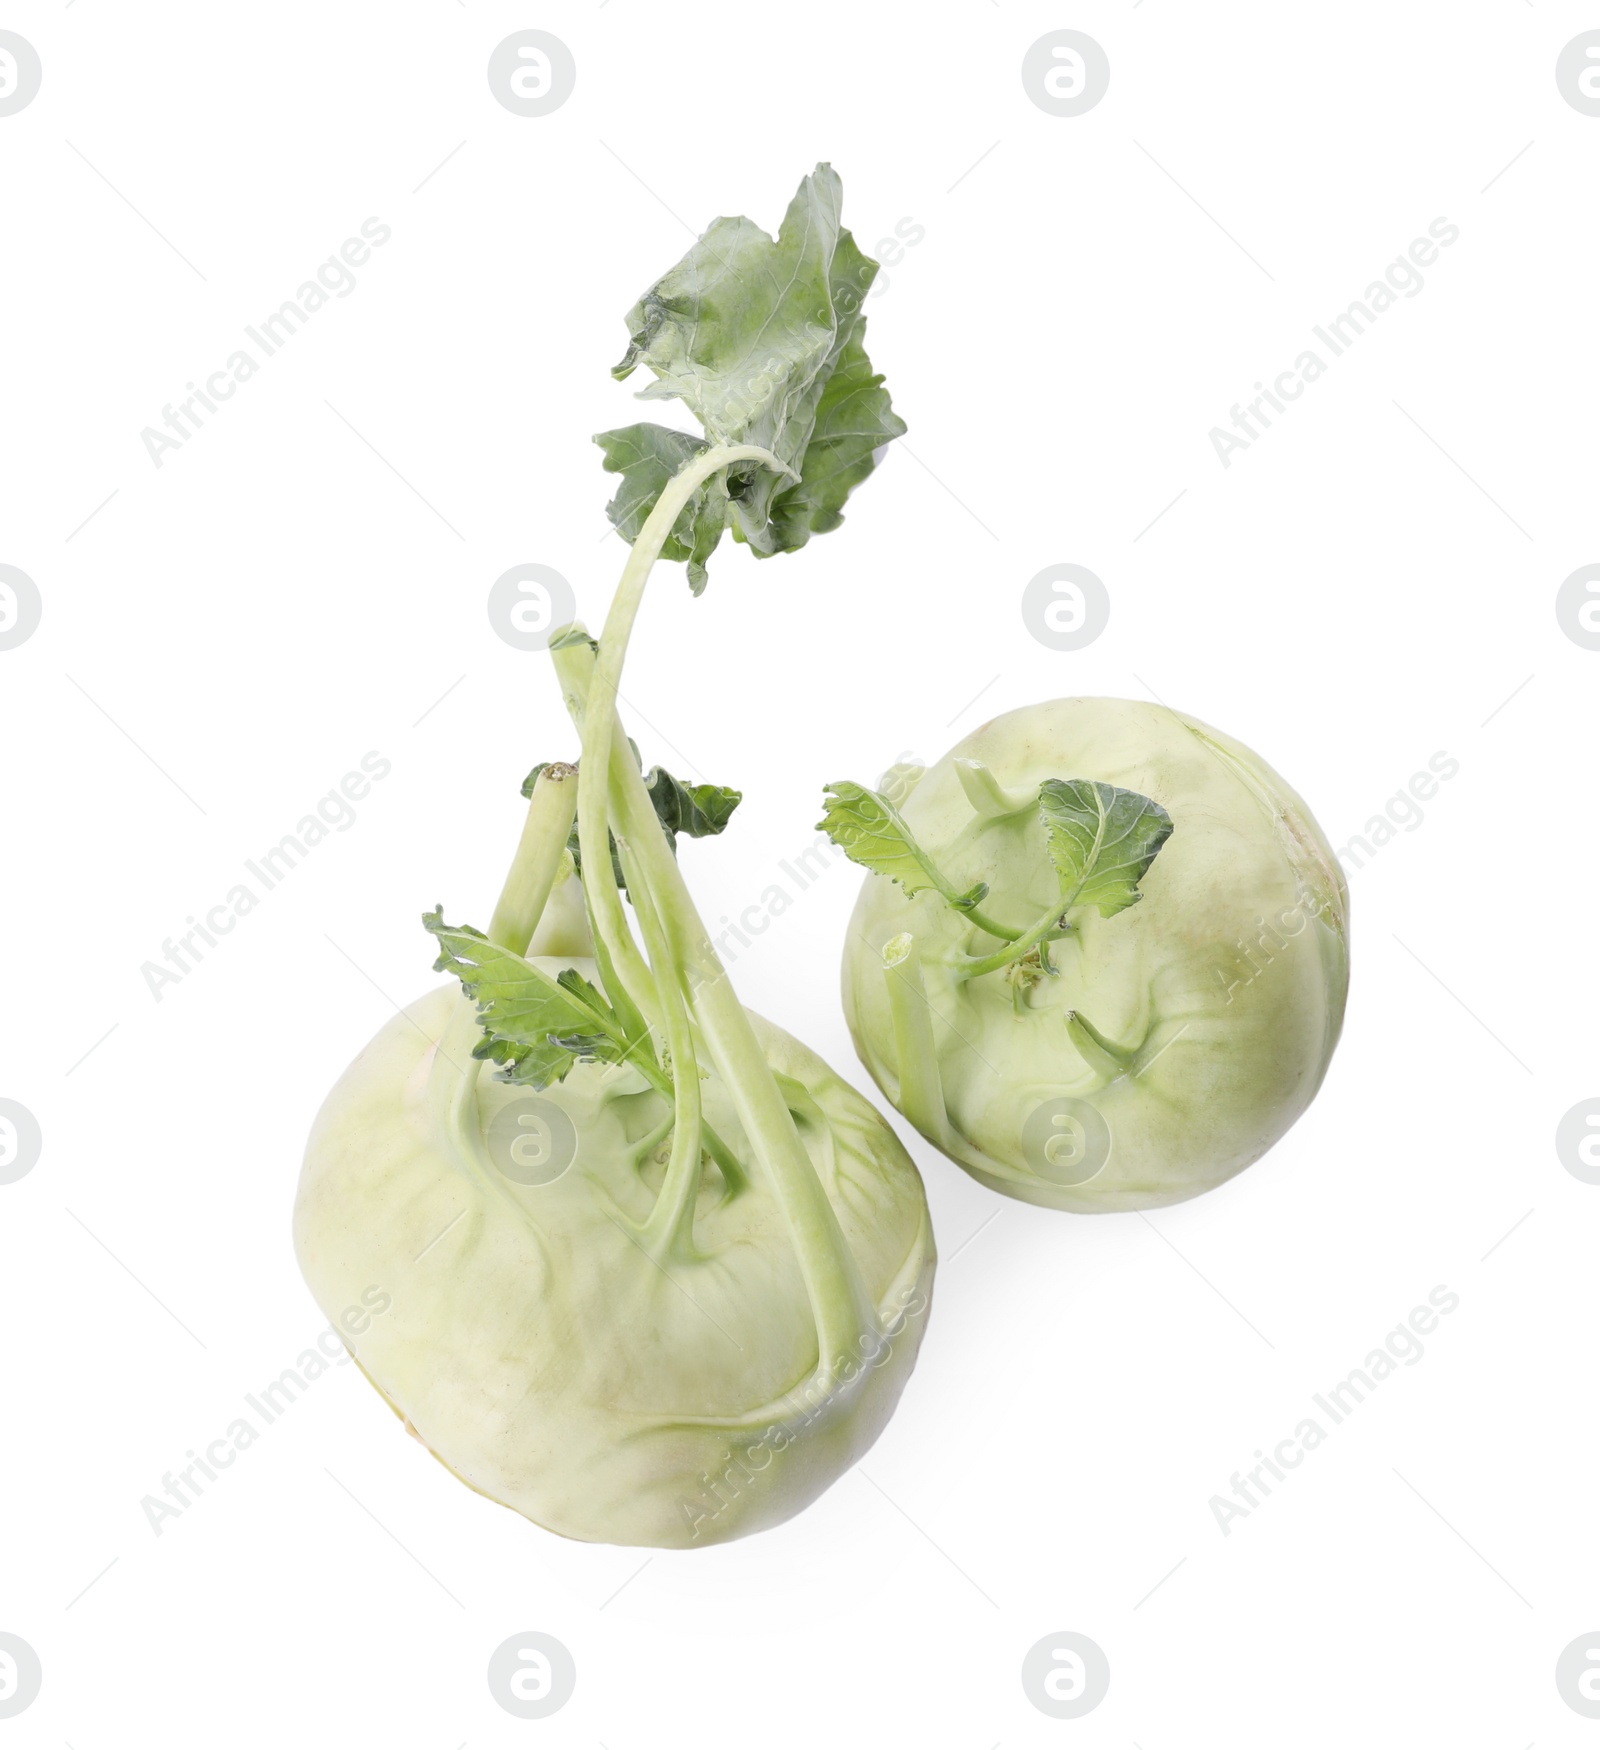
633 996
622 967
601 702
841 1308
526 893
1049 928
989 798
1104 1056
551 810
575 667
990 926
647 1145
670 1229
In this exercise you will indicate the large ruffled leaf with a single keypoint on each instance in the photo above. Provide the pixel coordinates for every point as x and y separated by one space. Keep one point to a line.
764 341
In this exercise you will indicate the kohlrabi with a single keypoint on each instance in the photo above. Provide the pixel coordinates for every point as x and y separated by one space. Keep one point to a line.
1103 958
658 1275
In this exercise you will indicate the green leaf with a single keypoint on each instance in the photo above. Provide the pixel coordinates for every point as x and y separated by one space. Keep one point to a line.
697 810
764 341
1102 840
867 827
527 1066
588 999
854 422
537 1025
647 456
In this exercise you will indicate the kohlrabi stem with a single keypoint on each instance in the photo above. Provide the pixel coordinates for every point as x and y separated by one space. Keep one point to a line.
841 1307
1047 928
942 884
1104 1056
647 1145
574 660
622 968
916 1053
989 798
670 1229
988 925
595 767
523 899
545 827
640 1054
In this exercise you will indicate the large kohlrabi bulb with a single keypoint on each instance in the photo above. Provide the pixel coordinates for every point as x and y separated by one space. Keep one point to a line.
530 1340
671 1296
1148 1055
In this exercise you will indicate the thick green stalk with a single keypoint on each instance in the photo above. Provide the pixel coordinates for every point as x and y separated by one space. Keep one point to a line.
526 893
551 810
840 1305
574 668
622 967
670 1229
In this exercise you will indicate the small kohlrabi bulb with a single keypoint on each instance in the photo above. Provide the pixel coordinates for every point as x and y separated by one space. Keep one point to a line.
1102 959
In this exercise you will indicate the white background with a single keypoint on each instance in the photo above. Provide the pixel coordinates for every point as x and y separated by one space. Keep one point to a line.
1369 584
